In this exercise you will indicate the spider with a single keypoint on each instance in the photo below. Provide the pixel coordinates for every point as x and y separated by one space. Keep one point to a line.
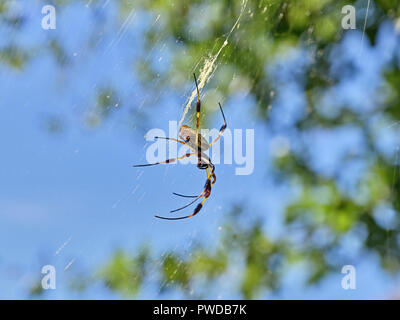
198 144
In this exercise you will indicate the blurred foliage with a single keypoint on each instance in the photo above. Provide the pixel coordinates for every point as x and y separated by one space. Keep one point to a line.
107 102
13 56
36 290
172 270
125 273
267 29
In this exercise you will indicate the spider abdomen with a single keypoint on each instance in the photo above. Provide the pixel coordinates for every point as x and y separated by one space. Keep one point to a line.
188 135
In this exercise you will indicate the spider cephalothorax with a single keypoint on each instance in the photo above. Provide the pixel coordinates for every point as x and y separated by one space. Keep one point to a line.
198 144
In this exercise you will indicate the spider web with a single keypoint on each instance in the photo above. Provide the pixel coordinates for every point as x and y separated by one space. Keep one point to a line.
209 66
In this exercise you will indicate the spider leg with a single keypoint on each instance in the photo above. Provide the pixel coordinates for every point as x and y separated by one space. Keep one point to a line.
184 143
191 202
198 137
207 188
196 211
173 139
222 129
206 193
211 168
197 107
183 195
166 161
186 196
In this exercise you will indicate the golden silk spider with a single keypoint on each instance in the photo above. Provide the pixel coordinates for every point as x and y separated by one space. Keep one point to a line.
198 144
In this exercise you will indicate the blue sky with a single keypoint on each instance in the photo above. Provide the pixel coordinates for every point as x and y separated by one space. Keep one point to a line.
69 199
